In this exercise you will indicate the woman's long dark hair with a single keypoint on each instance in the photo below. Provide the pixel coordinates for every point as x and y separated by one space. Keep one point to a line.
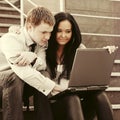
70 47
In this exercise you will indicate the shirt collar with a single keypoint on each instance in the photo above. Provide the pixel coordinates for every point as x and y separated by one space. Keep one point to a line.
29 41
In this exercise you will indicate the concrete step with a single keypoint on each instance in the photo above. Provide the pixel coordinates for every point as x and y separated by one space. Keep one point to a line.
4 4
8 16
116 114
115 81
11 19
114 96
8 10
4 27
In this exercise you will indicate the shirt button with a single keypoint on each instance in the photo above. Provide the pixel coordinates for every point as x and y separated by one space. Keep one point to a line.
43 90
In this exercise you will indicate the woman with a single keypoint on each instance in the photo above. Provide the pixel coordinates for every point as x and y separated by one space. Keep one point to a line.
65 39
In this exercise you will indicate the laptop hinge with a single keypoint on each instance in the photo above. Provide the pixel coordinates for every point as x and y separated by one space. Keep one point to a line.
97 87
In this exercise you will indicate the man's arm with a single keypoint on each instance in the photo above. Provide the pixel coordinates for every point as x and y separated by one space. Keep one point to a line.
27 73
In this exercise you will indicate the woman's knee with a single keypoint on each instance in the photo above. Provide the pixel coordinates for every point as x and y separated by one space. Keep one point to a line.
73 100
102 98
104 107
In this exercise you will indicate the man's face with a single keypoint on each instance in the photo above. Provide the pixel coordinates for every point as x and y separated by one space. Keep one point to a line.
40 34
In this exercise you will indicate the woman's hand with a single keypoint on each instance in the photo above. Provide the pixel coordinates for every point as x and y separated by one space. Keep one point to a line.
111 49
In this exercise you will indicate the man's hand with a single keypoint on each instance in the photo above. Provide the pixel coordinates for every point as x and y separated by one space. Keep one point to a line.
25 58
57 89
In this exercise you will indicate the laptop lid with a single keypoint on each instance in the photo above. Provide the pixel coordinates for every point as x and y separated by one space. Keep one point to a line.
91 67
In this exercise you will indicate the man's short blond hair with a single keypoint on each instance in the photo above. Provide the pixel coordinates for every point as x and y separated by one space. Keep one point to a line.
40 14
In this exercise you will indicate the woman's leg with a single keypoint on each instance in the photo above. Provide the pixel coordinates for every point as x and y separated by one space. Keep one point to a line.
67 108
103 107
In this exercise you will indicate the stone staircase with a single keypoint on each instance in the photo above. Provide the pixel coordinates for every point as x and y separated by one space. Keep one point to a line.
113 91
8 16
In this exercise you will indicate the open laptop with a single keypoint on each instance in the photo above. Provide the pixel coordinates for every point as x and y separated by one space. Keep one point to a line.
91 70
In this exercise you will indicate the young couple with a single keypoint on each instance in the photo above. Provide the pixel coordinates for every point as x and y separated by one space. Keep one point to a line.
23 69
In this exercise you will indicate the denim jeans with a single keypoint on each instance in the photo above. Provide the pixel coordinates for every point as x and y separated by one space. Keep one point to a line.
12 95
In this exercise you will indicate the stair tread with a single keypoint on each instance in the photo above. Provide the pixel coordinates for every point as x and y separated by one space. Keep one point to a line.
115 74
6 25
2 1
113 89
7 8
9 16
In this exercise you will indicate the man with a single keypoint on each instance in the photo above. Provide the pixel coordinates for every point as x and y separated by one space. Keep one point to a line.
17 69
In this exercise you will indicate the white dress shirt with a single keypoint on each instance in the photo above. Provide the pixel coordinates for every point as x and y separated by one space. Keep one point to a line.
13 44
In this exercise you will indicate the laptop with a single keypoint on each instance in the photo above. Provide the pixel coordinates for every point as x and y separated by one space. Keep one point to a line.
91 70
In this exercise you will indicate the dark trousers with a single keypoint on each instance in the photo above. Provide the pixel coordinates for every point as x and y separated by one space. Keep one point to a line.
42 108
83 106
96 103
12 98
67 108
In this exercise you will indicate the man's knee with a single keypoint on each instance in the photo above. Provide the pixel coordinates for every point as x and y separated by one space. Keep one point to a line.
11 79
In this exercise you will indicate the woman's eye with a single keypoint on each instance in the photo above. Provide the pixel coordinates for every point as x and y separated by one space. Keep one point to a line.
68 31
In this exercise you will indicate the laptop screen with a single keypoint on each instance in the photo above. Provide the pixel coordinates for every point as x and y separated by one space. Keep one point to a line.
91 67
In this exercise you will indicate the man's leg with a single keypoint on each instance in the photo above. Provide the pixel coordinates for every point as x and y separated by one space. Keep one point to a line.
42 106
12 96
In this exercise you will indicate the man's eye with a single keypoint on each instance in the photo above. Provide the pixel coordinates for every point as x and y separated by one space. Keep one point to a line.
44 32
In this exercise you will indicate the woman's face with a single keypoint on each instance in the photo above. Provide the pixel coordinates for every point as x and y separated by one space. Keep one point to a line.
64 32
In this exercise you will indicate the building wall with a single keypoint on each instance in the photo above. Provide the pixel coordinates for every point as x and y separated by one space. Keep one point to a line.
97 25
53 5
